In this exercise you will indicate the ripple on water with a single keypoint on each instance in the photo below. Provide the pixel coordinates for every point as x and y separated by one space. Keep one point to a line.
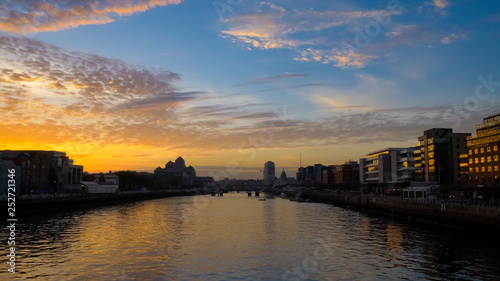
239 238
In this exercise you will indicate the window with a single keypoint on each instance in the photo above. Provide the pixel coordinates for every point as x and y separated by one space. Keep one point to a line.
482 159
495 148
476 160
470 151
470 161
483 169
471 169
488 149
495 157
488 159
489 168
496 168
475 151
477 169
482 149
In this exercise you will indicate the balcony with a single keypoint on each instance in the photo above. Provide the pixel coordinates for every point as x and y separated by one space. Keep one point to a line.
406 159
407 169
371 179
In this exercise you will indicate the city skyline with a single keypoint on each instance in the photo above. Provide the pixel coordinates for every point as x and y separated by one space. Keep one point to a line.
125 85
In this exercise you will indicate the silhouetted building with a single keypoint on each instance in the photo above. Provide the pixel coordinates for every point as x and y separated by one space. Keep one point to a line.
269 173
328 175
40 170
283 176
175 173
484 153
347 174
9 171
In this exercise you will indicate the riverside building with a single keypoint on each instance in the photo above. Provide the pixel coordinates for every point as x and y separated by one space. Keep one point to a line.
438 157
483 152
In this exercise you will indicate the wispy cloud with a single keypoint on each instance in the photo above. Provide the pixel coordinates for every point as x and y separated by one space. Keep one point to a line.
274 78
452 37
32 16
437 6
346 58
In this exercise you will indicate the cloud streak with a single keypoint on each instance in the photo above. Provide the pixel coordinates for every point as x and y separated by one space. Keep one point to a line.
31 16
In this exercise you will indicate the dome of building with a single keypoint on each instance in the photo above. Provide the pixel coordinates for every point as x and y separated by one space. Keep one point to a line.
283 175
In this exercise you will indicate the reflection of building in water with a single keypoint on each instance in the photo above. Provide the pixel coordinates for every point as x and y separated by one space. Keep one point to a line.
394 244
365 228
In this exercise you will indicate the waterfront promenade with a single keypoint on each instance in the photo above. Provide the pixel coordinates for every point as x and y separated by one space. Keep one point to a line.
477 215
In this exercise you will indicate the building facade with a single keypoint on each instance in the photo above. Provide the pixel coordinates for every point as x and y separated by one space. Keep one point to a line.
483 153
42 171
378 167
347 175
269 172
437 157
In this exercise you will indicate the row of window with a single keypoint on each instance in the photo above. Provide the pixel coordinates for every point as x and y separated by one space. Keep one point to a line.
483 159
483 169
483 150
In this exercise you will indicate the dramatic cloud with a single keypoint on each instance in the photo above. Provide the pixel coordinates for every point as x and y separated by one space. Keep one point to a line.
31 16
343 38
303 32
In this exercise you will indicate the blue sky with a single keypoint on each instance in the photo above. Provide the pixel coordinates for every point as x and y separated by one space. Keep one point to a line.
132 84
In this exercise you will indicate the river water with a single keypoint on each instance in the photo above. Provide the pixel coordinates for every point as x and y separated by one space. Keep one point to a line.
236 237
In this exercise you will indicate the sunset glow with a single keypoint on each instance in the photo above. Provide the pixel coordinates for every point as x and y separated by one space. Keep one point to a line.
130 85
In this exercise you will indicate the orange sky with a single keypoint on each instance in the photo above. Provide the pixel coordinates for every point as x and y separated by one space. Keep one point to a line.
132 84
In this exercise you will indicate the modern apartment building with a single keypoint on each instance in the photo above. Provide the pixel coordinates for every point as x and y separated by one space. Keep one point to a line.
403 165
483 151
381 166
438 157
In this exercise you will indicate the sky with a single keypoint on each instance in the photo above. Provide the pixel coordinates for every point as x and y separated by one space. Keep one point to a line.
231 84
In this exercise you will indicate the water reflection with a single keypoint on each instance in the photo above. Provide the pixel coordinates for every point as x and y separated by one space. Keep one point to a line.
235 237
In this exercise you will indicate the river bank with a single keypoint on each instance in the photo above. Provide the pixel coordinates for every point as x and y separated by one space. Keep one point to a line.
473 217
32 204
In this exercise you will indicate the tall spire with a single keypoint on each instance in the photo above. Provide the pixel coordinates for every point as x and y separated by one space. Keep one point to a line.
300 152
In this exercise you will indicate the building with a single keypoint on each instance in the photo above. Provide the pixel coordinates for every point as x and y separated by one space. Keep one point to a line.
283 176
9 171
42 171
403 165
328 175
378 167
108 178
483 152
269 173
175 173
437 157
347 175
317 175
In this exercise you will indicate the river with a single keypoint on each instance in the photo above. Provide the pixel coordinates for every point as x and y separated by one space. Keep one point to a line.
236 237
